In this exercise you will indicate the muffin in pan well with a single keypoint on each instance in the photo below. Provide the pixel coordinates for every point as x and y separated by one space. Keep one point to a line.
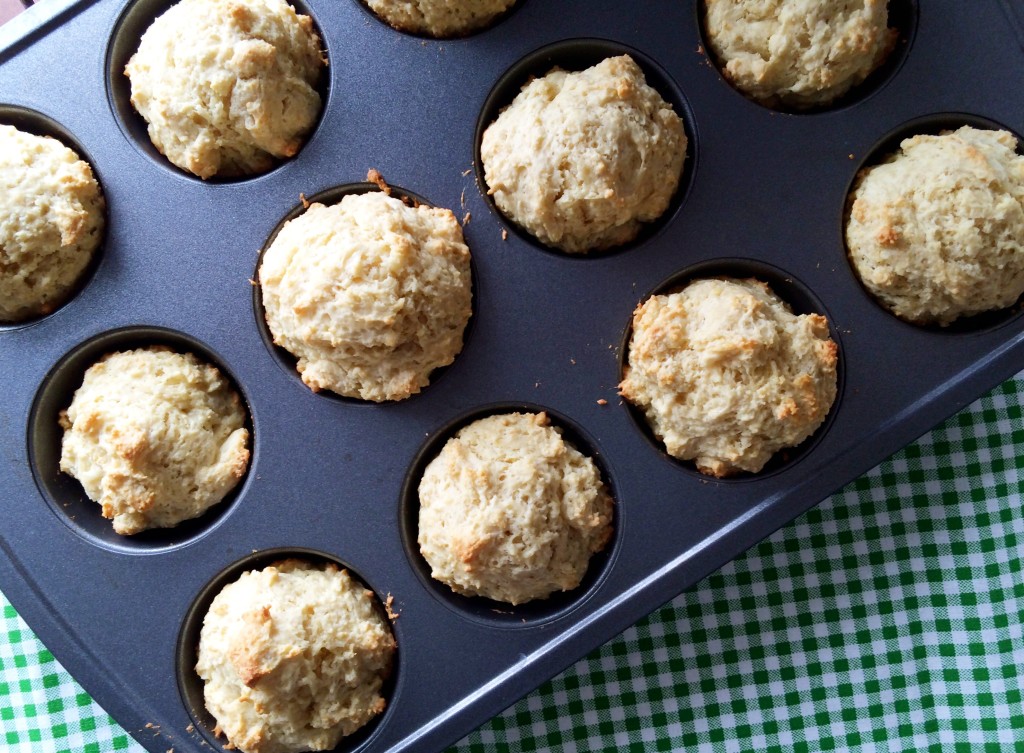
371 295
511 511
727 375
439 18
228 87
936 232
51 223
583 160
294 658
798 53
155 437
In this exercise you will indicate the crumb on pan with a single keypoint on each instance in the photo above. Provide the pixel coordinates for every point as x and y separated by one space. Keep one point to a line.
373 176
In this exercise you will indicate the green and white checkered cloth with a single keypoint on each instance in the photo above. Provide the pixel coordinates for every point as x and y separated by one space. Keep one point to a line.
889 618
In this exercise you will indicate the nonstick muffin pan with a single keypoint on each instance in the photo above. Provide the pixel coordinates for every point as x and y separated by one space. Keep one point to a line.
763 194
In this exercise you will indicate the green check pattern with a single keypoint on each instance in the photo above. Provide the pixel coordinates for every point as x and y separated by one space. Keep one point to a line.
889 618
41 707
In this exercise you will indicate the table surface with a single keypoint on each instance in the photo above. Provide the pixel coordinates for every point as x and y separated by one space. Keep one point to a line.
884 619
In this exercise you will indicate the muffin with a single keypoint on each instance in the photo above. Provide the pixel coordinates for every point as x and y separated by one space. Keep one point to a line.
439 18
370 295
936 232
583 160
51 223
293 658
727 375
155 437
511 511
227 86
798 53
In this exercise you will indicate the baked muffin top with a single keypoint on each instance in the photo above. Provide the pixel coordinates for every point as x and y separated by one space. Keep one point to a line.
582 160
51 223
727 375
511 511
370 295
294 658
227 86
936 232
155 437
800 53
439 18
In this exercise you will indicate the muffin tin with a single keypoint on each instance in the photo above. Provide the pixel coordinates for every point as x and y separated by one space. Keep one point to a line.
764 194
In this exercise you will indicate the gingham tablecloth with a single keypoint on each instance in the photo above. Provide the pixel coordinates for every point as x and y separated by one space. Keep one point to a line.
889 618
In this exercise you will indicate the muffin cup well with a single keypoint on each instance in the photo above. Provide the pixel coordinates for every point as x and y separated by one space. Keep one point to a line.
65 495
486 27
800 300
124 38
578 55
284 358
478 608
190 685
31 121
888 145
902 17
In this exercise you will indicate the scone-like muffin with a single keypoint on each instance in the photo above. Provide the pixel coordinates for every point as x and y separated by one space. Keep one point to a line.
155 437
727 375
294 657
51 222
799 53
227 86
511 511
583 160
370 295
439 18
937 231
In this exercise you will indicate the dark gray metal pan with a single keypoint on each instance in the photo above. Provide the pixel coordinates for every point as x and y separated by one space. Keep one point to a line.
764 194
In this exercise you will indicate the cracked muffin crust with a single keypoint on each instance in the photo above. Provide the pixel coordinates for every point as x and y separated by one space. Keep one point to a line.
583 160
293 657
936 232
51 223
727 375
799 53
439 18
227 86
155 437
370 295
511 511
